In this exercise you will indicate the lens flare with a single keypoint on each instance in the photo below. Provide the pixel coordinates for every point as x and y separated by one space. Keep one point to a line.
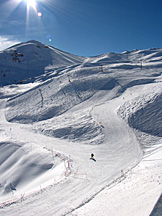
39 14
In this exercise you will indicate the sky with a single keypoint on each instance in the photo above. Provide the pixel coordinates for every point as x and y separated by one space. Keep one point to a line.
83 27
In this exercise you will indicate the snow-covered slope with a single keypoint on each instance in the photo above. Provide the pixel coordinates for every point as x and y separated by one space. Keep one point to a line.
108 105
25 61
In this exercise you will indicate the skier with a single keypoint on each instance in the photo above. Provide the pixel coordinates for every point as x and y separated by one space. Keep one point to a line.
92 157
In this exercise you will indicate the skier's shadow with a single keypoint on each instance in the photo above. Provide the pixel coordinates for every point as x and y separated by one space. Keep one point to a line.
93 159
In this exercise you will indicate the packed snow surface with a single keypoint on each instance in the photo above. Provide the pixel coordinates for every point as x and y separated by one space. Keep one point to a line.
56 109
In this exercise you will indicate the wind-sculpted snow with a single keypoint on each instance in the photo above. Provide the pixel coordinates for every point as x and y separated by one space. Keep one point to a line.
19 165
144 105
80 127
144 114
149 118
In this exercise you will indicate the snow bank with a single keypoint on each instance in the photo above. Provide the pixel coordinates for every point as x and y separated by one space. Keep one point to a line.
143 113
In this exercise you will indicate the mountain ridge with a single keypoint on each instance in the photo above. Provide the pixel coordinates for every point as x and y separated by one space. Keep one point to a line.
25 61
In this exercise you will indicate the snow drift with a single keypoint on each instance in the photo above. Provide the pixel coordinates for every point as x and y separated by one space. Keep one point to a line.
17 160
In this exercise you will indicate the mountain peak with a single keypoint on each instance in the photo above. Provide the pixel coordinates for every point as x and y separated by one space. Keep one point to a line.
32 58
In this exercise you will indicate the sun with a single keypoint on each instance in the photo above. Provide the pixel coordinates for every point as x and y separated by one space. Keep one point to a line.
31 3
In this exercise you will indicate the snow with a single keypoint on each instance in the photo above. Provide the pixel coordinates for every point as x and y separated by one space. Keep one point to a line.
63 109
135 195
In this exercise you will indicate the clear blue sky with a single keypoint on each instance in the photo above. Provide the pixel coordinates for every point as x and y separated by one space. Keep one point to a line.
83 27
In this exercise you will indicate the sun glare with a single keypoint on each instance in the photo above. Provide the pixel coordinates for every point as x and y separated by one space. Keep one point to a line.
31 3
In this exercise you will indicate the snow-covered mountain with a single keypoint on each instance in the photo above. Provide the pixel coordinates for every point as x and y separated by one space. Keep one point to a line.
56 109
26 61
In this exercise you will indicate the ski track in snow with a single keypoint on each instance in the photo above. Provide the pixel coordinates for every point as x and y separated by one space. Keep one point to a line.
86 177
